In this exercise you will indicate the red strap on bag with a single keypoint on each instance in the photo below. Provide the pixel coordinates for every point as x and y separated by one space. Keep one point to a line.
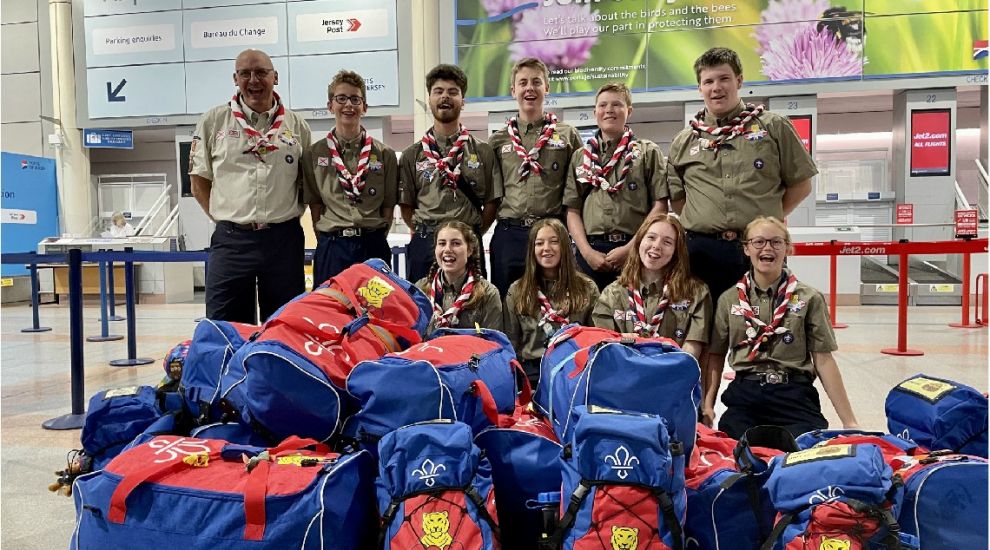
488 405
525 389
401 331
118 500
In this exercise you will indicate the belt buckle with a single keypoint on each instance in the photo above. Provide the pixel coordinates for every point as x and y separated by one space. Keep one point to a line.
258 226
528 221
615 237
773 378
351 232
729 235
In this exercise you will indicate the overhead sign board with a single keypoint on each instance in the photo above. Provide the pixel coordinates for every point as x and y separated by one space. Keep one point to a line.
108 139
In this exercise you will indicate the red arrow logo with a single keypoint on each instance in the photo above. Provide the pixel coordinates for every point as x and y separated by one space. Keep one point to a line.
355 25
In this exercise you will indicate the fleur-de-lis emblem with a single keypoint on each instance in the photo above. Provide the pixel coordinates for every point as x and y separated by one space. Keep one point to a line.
905 435
829 494
622 461
181 446
428 471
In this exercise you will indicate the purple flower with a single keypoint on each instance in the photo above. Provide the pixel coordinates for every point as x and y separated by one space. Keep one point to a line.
531 39
798 14
809 54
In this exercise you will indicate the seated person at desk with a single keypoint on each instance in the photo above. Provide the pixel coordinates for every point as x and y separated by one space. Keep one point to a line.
461 297
119 228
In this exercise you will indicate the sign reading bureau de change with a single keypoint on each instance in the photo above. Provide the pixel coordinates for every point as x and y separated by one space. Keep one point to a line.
176 57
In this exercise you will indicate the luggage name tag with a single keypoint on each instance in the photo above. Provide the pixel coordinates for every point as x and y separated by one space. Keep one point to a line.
122 392
927 388
815 454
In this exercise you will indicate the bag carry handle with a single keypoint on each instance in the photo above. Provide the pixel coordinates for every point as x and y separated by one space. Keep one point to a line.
891 541
525 388
488 405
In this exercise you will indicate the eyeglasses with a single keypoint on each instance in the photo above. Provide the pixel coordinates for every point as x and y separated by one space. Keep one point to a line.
260 74
760 242
342 99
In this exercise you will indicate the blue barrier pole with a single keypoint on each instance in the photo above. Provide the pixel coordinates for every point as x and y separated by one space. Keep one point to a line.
113 293
104 335
74 420
132 358
35 304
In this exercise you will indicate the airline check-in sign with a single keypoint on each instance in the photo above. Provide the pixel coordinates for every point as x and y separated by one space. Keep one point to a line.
175 57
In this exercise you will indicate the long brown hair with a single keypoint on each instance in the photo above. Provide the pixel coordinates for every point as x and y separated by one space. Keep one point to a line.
572 291
474 248
681 284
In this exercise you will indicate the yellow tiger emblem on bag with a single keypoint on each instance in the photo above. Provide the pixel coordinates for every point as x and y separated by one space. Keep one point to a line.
376 291
625 538
834 544
435 530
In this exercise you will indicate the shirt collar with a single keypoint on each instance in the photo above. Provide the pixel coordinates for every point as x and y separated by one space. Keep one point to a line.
253 116
455 285
772 291
710 119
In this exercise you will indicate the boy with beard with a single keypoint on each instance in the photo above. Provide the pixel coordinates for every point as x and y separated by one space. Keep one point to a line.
447 175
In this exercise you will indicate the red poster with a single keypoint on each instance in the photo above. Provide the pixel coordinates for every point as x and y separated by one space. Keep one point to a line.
966 223
930 142
904 214
802 124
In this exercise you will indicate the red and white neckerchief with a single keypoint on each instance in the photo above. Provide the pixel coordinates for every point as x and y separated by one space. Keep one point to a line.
637 306
353 184
262 143
547 313
758 332
594 174
530 159
449 166
722 134
448 318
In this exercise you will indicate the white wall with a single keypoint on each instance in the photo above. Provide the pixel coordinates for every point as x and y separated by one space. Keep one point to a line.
25 77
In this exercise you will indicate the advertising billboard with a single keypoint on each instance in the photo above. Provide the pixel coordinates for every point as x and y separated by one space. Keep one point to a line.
931 148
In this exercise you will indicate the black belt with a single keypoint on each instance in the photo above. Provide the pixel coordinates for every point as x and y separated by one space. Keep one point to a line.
352 232
613 237
727 235
777 377
426 228
527 222
255 226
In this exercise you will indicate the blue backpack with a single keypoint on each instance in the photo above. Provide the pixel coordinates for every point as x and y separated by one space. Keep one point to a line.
623 483
593 366
834 496
115 417
435 489
212 347
939 414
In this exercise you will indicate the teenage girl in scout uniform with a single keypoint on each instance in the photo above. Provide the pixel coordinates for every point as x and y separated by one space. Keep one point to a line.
656 295
778 336
551 293
461 297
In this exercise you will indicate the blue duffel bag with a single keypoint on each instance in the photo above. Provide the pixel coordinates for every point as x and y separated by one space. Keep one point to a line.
116 416
938 414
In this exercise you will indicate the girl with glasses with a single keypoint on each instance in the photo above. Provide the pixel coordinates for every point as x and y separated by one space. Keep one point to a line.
778 337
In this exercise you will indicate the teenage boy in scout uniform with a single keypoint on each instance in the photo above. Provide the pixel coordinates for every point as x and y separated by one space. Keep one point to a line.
351 186
734 162
447 175
534 152
614 183
246 173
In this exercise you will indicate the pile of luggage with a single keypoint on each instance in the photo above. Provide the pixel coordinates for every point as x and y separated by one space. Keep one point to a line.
338 424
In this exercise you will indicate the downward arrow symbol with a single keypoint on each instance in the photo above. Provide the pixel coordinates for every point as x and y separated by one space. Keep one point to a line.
113 94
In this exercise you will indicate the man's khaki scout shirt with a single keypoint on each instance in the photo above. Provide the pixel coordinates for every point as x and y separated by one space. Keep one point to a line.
527 337
486 312
682 321
245 189
807 321
745 178
624 210
375 209
536 196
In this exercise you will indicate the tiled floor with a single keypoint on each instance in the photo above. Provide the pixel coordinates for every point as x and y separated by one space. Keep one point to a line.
35 386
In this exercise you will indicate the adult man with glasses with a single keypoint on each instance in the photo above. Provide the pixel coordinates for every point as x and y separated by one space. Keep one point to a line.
351 184
447 175
246 173
734 162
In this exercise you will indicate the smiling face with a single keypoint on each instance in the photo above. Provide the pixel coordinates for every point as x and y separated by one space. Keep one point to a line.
719 87
767 261
347 115
257 91
657 248
446 101
529 87
611 113
452 252
546 250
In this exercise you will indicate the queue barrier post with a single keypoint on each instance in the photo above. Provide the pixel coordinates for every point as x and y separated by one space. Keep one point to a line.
105 335
132 358
964 323
75 419
902 299
981 282
35 303
113 293
832 292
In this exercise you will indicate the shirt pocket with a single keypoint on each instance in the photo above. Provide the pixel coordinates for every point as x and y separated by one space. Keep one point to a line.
373 194
792 345
757 159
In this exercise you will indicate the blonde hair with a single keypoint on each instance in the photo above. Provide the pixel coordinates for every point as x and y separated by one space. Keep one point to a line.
681 284
348 77
769 220
117 216
531 63
618 88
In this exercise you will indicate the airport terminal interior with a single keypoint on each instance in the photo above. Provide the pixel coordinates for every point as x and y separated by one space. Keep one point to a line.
66 87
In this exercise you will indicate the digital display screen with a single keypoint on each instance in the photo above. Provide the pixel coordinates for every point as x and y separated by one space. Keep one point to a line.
802 124
930 142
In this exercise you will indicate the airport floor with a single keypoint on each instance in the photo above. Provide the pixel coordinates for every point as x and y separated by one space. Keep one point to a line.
34 386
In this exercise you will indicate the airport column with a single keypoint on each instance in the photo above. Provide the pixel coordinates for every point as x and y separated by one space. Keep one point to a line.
803 112
74 193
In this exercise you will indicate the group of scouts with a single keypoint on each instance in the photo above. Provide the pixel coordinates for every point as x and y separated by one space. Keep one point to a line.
731 176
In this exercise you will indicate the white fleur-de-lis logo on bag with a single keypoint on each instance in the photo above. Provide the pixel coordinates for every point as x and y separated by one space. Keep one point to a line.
428 471
181 446
622 461
828 494
905 435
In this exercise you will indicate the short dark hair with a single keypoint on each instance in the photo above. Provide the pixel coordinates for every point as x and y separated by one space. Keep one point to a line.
443 71
715 57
